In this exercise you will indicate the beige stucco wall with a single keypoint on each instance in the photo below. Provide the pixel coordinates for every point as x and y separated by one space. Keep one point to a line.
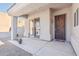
44 23
66 11
5 22
75 31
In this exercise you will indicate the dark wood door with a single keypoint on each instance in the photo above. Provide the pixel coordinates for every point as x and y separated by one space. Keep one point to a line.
60 27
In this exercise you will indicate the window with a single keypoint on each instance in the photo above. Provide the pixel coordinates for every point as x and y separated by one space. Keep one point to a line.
76 18
20 22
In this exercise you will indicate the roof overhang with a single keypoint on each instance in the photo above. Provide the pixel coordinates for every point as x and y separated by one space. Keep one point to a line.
26 8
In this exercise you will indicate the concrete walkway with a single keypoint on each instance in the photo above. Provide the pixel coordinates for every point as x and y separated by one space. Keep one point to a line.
8 49
43 48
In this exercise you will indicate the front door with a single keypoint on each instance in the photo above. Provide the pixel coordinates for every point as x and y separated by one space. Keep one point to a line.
60 27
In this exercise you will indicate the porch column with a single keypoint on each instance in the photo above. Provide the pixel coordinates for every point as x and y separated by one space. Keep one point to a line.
13 27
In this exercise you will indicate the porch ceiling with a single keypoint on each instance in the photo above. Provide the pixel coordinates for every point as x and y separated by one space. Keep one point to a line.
27 8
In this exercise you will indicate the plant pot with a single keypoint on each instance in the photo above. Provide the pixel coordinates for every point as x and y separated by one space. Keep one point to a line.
20 41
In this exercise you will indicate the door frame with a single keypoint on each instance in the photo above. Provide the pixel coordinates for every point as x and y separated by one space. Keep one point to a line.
64 26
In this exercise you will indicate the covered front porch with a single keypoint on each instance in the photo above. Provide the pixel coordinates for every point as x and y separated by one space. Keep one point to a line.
42 21
41 36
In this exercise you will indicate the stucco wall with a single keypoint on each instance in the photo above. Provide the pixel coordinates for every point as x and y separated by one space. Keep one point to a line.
44 23
75 31
5 22
68 21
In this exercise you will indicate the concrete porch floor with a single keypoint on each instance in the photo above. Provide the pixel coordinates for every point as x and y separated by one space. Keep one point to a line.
44 48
